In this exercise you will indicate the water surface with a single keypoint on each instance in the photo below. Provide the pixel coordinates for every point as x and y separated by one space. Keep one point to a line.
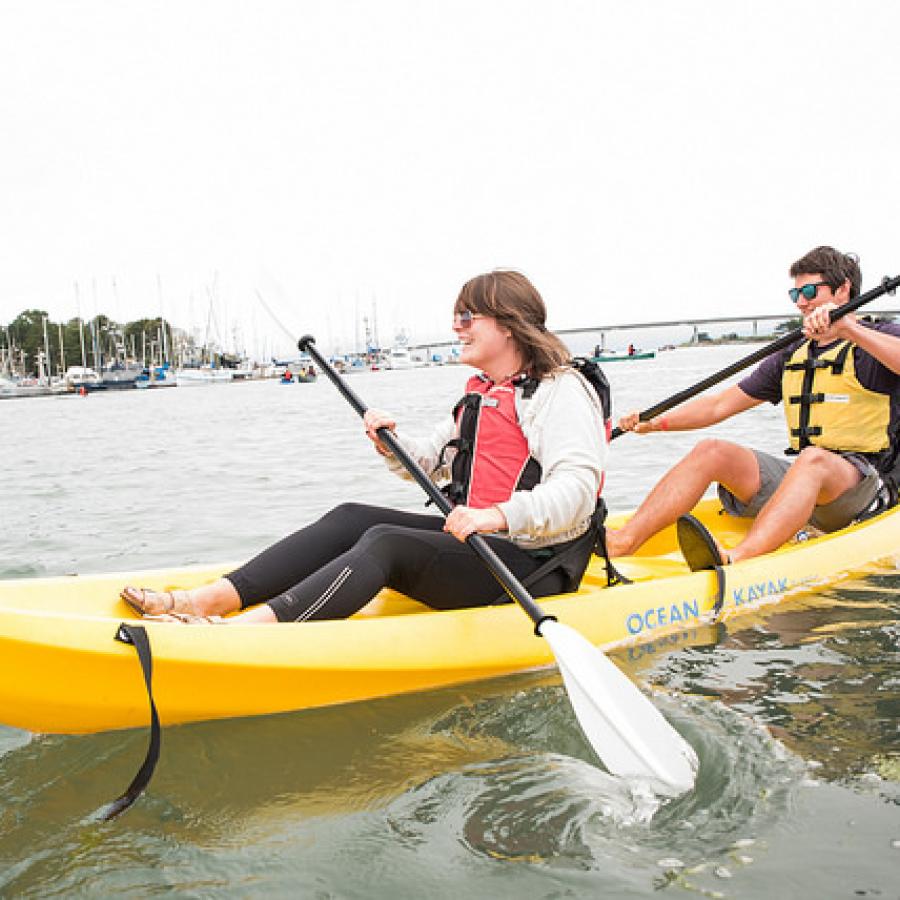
486 790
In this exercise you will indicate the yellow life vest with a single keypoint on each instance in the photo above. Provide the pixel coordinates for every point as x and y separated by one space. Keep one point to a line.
825 405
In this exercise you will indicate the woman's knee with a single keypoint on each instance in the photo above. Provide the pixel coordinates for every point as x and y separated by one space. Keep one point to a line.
376 536
348 513
386 547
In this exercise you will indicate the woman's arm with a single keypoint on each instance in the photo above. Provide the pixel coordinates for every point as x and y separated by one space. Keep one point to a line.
425 451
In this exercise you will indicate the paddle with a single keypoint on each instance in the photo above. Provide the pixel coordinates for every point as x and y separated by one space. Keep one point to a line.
625 729
887 286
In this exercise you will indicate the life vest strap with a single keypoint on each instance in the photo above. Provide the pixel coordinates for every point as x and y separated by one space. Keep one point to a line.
811 363
807 432
807 398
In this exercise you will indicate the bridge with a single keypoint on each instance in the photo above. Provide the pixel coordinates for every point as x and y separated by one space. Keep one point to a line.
695 324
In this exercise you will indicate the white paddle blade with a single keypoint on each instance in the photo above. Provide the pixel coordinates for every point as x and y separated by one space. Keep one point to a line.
628 733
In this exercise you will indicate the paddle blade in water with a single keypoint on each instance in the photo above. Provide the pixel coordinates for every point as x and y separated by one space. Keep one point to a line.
628 733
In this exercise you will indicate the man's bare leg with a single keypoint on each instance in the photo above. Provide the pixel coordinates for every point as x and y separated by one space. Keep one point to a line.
681 488
817 477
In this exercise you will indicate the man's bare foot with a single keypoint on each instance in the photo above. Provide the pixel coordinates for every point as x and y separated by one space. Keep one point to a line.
618 543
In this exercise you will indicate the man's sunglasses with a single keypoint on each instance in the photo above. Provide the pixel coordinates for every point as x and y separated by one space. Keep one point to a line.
809 291
465 318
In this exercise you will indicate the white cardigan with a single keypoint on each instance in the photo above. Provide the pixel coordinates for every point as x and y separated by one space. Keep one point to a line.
563 424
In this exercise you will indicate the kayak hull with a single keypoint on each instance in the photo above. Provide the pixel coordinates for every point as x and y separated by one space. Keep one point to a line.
62 669
618 357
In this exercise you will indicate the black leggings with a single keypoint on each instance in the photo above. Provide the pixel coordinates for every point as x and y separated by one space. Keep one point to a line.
332 568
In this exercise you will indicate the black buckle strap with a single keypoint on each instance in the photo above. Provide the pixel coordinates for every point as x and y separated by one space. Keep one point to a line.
840 360
453 491
136 636
807 398
529 386
811 363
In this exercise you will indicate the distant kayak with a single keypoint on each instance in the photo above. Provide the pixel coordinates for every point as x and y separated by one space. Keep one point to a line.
62 669
617 357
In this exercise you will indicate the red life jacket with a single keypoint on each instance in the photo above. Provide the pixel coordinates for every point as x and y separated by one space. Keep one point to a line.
493 458
492 455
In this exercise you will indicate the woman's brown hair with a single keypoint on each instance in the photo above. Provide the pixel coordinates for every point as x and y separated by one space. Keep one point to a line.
511 299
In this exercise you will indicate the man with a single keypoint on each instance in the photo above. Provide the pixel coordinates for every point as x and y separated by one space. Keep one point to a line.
840 386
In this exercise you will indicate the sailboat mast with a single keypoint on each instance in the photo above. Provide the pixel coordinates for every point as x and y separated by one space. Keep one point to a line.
95 330
46 360
162 321
80 327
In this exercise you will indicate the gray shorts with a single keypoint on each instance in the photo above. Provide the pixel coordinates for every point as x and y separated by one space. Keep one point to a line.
828 517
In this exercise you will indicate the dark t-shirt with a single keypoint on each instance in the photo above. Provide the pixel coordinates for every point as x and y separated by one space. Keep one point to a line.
764 382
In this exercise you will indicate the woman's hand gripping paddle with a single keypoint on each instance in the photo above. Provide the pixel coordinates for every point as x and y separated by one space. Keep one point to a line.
626 730
887 286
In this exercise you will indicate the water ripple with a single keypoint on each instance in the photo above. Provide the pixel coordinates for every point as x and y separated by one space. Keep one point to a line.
562 810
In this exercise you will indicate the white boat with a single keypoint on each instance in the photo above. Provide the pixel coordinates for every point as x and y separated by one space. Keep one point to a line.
120 376
399 358
156 378
30 387
78 377
202 376
244 372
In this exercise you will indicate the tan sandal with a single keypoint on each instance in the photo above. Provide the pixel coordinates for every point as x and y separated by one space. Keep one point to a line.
185 619
146 603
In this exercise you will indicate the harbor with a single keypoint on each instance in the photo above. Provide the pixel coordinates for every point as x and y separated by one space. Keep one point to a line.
109 358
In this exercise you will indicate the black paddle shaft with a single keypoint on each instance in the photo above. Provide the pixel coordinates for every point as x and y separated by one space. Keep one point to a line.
510 584
887 286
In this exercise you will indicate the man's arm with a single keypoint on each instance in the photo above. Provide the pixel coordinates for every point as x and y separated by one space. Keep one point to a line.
700 412
885 347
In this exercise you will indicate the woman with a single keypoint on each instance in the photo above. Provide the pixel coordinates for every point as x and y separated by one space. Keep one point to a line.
524 450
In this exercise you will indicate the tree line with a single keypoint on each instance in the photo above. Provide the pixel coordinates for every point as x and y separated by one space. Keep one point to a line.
95 342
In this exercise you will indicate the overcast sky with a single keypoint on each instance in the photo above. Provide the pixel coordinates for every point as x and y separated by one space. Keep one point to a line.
638 160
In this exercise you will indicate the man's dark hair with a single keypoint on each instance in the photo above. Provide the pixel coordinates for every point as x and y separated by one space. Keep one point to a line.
834 267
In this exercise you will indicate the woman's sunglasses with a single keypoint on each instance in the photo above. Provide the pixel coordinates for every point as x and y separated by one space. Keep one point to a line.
465 318
809 291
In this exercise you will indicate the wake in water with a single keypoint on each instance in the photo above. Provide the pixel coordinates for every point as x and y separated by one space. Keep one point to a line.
560 809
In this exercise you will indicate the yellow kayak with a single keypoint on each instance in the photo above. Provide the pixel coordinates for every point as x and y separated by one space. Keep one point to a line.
62 669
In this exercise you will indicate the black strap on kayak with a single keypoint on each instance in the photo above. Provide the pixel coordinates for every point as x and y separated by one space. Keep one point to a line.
613 575
136 636
593 540
720 592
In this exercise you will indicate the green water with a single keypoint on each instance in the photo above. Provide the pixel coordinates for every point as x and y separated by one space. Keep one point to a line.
485 790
